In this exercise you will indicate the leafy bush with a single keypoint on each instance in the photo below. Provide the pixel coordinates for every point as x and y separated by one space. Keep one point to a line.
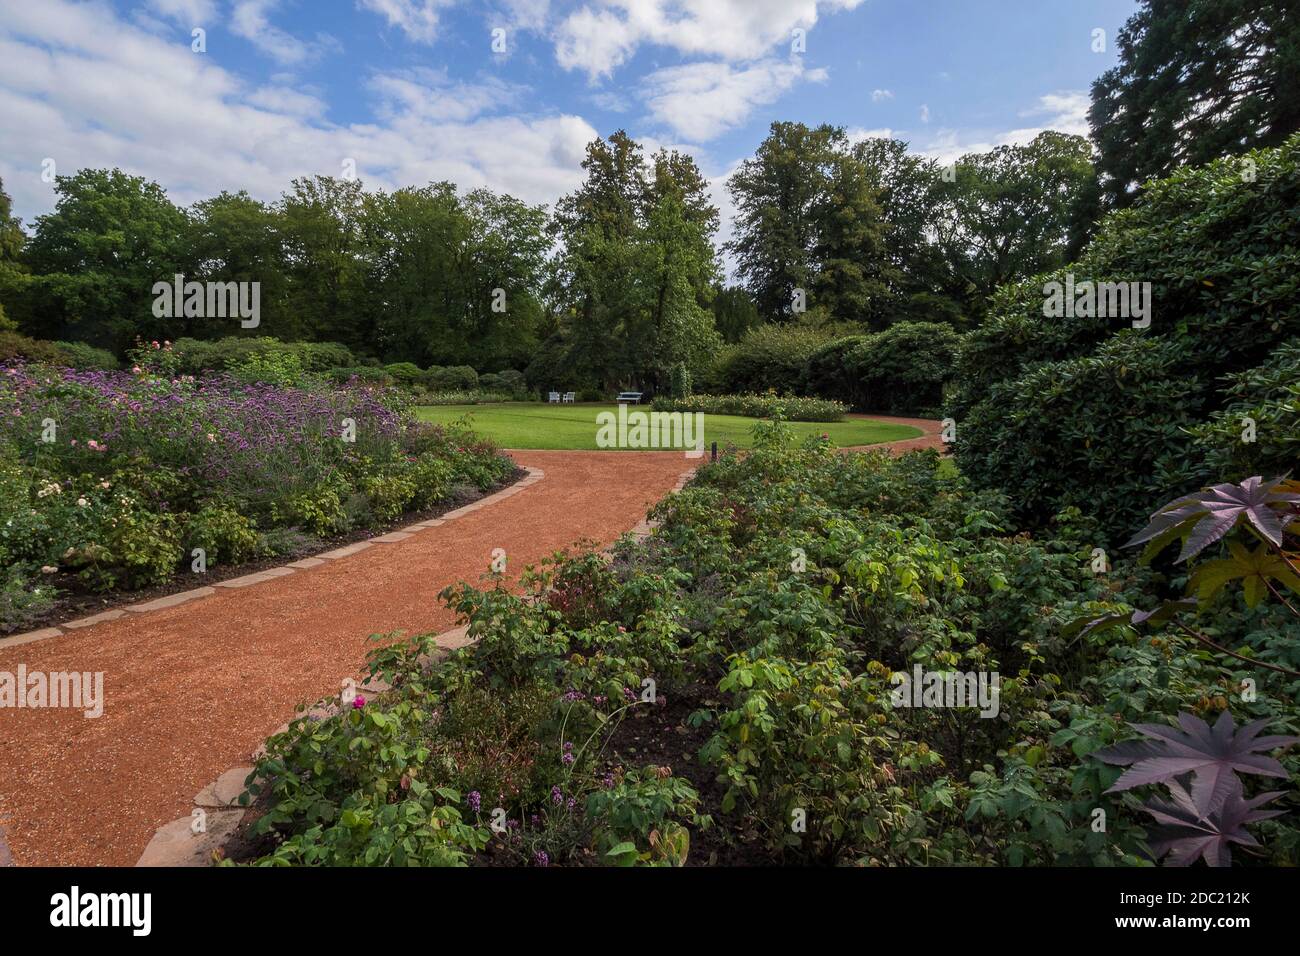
788 407
451 378
475 397
226 536
1223 259
904 368
769 358
82 356
405 373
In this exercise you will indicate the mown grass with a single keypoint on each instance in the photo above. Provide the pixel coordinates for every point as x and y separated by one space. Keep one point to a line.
536 425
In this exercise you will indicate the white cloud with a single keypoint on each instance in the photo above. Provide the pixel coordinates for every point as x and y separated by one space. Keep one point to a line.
418 19
857 134
81 86
925 113
603 34
1065 112
878 95
700 100
185 12
250 20
429 94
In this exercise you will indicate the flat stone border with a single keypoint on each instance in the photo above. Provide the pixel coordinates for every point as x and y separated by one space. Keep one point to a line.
6 858
257 577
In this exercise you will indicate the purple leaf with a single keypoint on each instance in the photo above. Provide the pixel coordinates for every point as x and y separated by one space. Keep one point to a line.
1203 518
1212 755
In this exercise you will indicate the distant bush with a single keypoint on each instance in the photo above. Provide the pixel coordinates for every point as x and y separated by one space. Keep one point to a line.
473 397
15 346
405 373
904 369
196 356
770 357
789 407
449 378
509 382
87 357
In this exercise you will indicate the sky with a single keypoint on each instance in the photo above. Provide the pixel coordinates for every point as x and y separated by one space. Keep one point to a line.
506 93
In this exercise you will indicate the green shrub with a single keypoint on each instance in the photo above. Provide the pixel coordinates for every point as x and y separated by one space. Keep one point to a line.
404 373
827 373
451 378
787 407
15 346
225 536
475 397
904 368
1258 432
769 358
1223 259
79 355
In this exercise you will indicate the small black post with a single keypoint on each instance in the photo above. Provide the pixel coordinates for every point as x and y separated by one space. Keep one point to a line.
715 452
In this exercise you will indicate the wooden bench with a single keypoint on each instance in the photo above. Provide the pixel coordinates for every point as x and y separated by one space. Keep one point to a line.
633 397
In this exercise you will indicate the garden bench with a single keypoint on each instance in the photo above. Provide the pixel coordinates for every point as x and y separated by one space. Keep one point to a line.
552 396
633 397
569 396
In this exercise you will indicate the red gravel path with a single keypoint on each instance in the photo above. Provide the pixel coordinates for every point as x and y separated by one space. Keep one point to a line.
193 690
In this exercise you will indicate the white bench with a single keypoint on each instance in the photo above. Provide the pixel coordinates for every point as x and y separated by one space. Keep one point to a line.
633 397
552 396
568 397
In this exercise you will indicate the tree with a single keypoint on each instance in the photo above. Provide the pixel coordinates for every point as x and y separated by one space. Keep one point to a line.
808 222
96 258
1009 213
734 313
910 192
235 238
1196 80
12 239
320 224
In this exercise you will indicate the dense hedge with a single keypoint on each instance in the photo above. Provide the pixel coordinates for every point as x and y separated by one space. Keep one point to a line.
904 368
78 355
788 407
1064 412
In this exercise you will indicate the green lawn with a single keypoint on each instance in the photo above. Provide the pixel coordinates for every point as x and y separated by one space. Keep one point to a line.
537 425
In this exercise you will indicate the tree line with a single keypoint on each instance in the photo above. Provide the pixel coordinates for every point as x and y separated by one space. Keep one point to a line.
623 283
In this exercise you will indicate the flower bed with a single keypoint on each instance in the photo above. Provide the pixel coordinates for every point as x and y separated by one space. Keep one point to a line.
789 407
120 479
726 691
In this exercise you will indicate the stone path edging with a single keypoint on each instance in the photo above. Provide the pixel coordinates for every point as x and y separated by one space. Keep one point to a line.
258 577
217 805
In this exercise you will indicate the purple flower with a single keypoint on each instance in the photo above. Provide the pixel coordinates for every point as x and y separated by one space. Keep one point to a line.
541 859
358 702
475 800
608 781
557 796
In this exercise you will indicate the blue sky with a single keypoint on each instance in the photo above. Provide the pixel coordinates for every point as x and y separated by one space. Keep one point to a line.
412 90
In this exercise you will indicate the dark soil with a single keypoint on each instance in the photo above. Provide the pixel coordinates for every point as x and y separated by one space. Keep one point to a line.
75 600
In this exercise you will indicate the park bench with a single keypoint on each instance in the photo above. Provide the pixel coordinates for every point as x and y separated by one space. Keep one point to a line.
569 396
552 396
633 397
